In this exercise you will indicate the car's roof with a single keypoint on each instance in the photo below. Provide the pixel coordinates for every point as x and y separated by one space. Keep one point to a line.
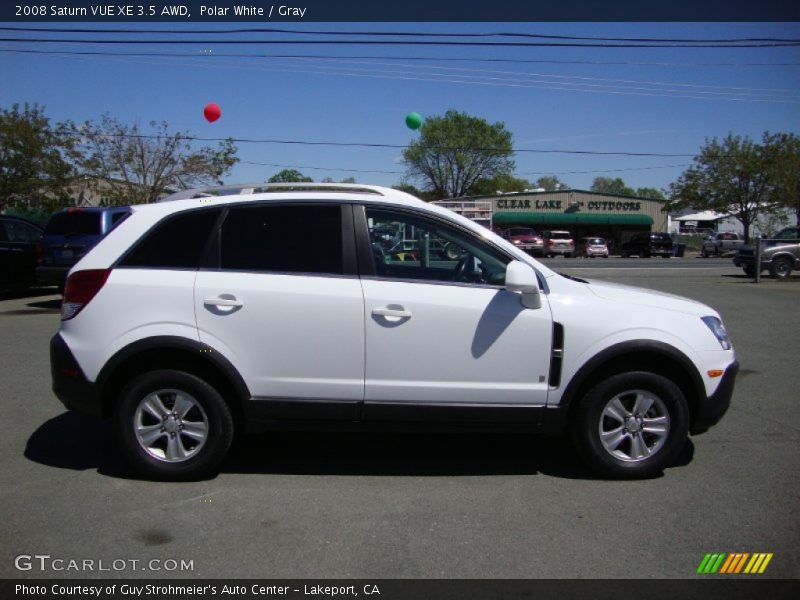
327 192
91 209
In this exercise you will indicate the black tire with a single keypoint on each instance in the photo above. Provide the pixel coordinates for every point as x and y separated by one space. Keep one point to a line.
452 252
749 271
587 423
212 410
703 252
781 268
624 254
568 255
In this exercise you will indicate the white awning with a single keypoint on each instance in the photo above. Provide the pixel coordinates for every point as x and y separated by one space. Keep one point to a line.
706 215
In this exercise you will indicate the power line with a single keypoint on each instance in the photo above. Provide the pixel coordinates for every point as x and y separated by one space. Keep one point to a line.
606 170
338 169
515 83
397 34
378 145
522 80
402 43
407 58
263 164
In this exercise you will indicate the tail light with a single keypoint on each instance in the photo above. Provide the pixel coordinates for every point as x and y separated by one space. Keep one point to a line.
550 243
39 252
79 290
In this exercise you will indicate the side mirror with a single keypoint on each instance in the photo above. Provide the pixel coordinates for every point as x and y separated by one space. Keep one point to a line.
522 278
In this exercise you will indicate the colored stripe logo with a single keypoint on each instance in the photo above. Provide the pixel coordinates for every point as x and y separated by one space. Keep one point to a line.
734 563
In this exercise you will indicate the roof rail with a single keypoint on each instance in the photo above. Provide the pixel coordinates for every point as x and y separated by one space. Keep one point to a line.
265 188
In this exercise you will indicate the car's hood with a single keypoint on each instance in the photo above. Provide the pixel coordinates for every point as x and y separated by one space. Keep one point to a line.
617 292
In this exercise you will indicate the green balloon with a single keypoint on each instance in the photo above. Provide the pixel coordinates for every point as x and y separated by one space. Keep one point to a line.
413 120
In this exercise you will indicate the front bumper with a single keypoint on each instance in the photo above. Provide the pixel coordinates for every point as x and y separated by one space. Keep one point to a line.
714 407
69 383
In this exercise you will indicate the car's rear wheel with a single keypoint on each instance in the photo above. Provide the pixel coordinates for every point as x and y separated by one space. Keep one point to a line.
631 425
173 425
749 271
781 268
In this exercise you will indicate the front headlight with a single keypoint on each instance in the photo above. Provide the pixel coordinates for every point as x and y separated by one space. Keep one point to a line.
718 329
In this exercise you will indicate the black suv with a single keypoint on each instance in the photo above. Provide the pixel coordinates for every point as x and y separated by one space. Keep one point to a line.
19 247
647 245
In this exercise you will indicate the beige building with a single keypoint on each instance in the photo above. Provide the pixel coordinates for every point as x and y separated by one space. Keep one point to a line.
582 213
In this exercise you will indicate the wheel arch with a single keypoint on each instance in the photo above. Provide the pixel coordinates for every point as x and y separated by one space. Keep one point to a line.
170 352
635 355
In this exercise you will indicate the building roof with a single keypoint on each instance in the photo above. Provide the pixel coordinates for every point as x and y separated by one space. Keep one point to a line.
706 215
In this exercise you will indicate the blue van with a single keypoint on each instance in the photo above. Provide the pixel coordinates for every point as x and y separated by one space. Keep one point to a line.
69 235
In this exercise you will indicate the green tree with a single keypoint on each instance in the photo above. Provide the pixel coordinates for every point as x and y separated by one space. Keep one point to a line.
648 192
289 176
34 158
499 183
787 173
408 188
551 183
455 151
138 168
736 176
607 185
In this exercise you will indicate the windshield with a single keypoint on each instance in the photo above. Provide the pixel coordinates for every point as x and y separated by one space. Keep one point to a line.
73 223
595 241
521 231
560 235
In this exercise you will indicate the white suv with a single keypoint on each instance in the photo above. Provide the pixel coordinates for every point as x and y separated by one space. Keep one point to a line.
289 306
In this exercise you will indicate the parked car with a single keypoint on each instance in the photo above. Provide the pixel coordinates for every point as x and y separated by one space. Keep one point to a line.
198 318
19 246
525 239
646 245
69 234
720 243
777 257
559 242
590 247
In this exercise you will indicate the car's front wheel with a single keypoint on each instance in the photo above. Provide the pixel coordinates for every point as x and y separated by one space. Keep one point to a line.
781 268
173 425
631 425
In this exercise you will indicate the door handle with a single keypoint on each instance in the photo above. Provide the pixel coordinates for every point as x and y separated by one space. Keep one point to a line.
400 313
229 302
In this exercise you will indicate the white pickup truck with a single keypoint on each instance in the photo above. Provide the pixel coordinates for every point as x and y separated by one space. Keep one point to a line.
721 243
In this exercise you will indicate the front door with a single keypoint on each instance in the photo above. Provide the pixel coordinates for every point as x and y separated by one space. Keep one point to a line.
440 327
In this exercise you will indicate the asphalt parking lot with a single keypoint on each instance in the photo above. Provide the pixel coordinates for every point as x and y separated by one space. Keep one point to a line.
301 505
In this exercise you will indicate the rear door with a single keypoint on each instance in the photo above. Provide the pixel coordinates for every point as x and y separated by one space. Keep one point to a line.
284 304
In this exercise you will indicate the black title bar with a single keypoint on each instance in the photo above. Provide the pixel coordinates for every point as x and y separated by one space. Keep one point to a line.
260 11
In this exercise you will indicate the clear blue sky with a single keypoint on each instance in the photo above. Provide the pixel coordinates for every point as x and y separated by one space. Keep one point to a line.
669 107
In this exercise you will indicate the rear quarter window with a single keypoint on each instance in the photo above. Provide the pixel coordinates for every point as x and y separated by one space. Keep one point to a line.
175 243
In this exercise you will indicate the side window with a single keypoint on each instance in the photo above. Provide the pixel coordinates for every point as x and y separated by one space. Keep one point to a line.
175 243
409 247
285 239
21 232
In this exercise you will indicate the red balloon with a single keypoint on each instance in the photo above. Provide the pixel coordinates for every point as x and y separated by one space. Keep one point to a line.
212 112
